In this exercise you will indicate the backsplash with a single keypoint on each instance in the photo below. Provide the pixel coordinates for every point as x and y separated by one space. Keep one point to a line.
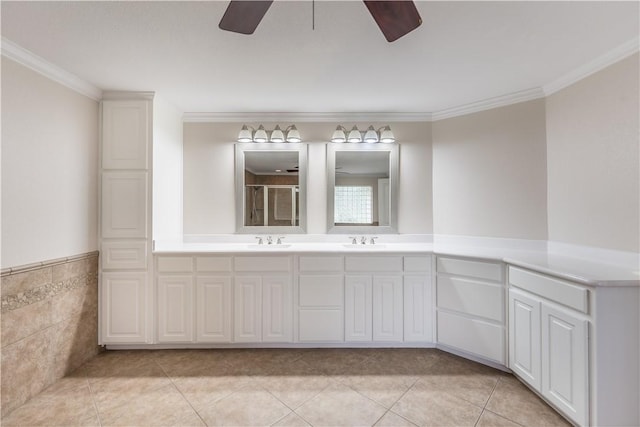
49 324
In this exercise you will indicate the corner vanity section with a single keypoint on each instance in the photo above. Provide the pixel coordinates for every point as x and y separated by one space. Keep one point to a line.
287 299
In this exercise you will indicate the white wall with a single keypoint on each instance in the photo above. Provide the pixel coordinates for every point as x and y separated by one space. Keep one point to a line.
489 173
167 170
209 175
594 160
49 168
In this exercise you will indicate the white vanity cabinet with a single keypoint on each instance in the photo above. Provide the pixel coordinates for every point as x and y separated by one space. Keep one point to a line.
374 298
470 307
263 310
548 339
320 294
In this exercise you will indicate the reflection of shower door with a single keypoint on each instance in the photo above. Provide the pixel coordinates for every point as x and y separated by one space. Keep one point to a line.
272 205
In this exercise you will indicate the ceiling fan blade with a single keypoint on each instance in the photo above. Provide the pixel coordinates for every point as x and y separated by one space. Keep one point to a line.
243 16
395 18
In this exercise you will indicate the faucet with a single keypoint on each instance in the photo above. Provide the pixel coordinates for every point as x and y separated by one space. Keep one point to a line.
353 240
373 240
259 239
280 240
363 240
269 240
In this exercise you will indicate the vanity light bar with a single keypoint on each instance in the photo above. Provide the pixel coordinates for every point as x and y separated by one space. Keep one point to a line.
249 134
371 136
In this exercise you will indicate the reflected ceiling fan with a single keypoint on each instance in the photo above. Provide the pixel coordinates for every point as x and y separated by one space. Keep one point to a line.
395 18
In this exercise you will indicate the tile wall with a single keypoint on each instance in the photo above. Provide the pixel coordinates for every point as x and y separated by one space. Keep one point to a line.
49 324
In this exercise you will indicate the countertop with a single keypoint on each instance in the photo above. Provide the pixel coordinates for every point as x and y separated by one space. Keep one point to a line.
588 266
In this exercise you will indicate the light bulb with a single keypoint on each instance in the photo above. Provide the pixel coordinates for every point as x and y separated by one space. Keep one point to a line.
354 135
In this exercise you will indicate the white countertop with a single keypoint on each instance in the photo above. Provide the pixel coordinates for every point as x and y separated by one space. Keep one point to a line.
589 266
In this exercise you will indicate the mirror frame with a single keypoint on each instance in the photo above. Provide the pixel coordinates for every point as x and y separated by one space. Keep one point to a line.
393 150
242 148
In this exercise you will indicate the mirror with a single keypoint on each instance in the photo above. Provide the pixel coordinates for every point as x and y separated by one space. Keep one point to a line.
271 188
362 188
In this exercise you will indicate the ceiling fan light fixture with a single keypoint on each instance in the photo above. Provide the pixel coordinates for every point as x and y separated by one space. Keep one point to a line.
260 135
293 135
386 136
339 135
371 136
277 135
245 134
354 135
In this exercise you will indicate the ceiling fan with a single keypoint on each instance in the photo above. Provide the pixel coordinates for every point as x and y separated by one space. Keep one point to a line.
395 17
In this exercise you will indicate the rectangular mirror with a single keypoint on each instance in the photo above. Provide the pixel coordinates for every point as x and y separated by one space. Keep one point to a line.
271 188
362 188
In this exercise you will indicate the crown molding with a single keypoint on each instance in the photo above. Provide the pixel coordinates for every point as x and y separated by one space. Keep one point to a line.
113 95
488 104
305 117
40 65
621 52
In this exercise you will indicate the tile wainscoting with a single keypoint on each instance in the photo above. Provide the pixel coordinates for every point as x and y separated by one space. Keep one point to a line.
49 324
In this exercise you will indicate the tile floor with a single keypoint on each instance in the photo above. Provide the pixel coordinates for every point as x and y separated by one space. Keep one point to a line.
285 387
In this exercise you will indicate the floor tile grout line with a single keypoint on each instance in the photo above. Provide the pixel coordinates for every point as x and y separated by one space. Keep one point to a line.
502 416
93 399
181 393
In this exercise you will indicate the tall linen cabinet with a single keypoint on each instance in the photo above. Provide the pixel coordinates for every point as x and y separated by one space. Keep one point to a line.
140 200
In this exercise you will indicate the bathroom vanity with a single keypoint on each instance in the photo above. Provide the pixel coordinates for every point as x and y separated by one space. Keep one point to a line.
564 319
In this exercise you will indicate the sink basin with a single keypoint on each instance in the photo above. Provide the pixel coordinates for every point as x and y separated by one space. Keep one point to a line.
266 246
367 246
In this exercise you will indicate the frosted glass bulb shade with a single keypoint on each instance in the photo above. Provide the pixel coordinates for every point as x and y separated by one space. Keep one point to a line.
339 135
245 134
371 136
277 135
387 136
354 135
261 135
293 135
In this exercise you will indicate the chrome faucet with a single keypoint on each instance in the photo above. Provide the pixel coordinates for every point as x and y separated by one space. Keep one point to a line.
279 242
269 240
259 239
354 240
373 240
363 240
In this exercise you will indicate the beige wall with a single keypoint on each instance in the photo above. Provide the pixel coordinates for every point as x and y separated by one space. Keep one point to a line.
593 160
209 175
489 173
49 168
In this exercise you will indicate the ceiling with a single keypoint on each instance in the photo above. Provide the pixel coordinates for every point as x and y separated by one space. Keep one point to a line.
464 51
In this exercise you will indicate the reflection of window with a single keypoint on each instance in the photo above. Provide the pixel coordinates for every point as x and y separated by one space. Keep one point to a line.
354 204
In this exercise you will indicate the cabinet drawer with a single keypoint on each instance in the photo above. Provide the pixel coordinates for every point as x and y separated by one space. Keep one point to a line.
373 263
477 269
471 297
261 264
212 264
318 291
560 291
325 263
471 335
175 264
124 255
417 263
321 325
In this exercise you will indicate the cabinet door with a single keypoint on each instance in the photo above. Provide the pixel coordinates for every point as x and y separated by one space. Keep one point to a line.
213 312
175 309
277 309
125 134
248 309
124 205
123 308
387 308
357 308
418 309
524 337
565 362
